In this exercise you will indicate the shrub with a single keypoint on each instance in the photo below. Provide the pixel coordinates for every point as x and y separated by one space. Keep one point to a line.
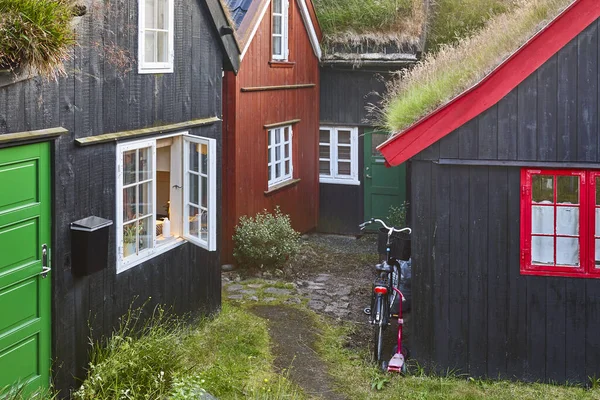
138 361
397 215
36 34
266 240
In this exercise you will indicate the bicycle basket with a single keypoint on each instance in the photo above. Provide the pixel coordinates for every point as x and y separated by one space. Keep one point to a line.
400 244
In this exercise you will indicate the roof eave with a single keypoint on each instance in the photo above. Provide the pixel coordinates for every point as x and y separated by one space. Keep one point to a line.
493 87
226 32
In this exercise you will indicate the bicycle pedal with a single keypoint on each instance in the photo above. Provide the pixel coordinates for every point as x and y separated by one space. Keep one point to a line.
367 310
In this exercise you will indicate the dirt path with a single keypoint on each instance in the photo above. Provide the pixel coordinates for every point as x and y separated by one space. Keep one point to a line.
294 348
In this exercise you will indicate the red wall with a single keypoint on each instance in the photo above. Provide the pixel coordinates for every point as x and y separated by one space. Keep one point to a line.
245 138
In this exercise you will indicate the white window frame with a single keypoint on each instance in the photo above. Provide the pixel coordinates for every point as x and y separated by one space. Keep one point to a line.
155 67
179 179
271 146
334 176
284 30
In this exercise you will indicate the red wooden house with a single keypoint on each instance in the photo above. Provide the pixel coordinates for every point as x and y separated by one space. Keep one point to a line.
271 111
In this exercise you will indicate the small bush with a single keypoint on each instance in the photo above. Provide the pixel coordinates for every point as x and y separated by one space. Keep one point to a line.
36 34
267 240
397 215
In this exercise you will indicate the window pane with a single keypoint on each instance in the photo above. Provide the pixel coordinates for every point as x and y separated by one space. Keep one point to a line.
271 133
277 135
597 258
324 136
344 137
567 251
203 225
598 190
204 158
542 250
149 46
149 13
269 156
162 15
162 47
145 164
204 193
286 134
145 234
567 190
277 153
277 170
343 168
129 203
277 45
287 167
542 188
344 153
194 221
129 239
194 196
193 156
567 221
287 151
145 206
597 222
376 140
324 151
269 177
542 220
324 168
129 167
277 6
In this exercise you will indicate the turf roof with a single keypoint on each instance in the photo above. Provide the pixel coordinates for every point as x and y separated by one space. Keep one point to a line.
442 76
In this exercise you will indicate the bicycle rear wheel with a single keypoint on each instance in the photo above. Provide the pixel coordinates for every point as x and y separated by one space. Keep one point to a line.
380 310
378 343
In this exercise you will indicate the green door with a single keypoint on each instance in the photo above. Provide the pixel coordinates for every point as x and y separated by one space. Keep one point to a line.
24 292
384 186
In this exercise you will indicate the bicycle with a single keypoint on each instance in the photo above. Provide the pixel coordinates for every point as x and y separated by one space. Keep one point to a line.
384 294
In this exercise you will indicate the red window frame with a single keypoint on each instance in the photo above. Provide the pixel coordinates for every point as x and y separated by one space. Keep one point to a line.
587 223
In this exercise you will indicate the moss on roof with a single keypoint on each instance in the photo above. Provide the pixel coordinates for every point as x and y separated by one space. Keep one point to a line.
440 77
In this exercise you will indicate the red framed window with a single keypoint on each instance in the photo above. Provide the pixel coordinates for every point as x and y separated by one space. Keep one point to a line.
560 223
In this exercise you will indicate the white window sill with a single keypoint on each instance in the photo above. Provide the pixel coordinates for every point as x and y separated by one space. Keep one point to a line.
149 70
162 246
339 181
281 185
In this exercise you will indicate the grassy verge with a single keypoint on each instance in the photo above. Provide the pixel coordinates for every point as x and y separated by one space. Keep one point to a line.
228 356
359 378
444 75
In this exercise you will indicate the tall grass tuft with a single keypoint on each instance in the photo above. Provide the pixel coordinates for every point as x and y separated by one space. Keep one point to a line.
36 34
19 392
454 68
138 361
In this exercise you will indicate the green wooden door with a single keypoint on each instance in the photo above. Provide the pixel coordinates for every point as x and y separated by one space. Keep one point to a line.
384 186
24 292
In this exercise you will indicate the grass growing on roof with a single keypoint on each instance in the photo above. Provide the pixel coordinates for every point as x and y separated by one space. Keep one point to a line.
36 34
444 75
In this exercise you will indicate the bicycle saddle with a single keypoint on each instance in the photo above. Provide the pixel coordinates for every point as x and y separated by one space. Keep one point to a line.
383 267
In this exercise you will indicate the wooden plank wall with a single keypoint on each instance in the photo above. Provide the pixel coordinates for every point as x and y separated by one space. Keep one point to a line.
345 95
473 310
246 138
104 93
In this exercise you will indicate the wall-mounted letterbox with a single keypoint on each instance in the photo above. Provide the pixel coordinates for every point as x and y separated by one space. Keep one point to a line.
89 245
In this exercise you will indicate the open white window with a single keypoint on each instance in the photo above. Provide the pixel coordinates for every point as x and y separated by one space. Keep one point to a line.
280 29
166 195
280 166
338 155
156 32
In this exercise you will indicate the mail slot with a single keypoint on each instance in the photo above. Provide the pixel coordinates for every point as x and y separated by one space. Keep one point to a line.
89 245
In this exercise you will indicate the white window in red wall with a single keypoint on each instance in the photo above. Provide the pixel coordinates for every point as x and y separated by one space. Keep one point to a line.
280 30
560 223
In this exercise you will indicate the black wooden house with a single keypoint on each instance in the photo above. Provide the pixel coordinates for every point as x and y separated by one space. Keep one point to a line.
505 193
132 134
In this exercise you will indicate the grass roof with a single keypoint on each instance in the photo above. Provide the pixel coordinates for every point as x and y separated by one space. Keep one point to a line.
354 20
440 77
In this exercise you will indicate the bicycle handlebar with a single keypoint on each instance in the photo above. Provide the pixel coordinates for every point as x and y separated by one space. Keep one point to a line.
390 229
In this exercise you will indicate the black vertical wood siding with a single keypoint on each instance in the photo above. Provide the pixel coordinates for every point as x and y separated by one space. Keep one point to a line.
345 95
473 310
101 96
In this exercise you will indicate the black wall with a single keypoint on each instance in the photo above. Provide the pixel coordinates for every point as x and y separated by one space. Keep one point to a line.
473 310
345 95
98 96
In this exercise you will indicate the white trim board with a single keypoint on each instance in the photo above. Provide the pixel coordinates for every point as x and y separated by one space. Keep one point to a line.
310 28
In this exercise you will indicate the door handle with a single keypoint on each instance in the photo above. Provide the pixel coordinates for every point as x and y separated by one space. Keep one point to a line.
368 176
45 267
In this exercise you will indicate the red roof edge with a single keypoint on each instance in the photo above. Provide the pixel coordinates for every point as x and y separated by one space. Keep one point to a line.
490 90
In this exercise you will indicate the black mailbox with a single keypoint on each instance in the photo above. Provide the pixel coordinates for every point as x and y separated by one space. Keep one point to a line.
89 245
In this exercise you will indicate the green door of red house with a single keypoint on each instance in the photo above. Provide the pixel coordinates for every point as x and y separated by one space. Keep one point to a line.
25 220
384 187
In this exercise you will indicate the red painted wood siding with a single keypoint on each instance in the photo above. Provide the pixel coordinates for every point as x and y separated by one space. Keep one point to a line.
245 138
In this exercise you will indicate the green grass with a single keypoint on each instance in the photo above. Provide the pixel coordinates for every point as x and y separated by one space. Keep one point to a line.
358 378
455 68
228 356
36 34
